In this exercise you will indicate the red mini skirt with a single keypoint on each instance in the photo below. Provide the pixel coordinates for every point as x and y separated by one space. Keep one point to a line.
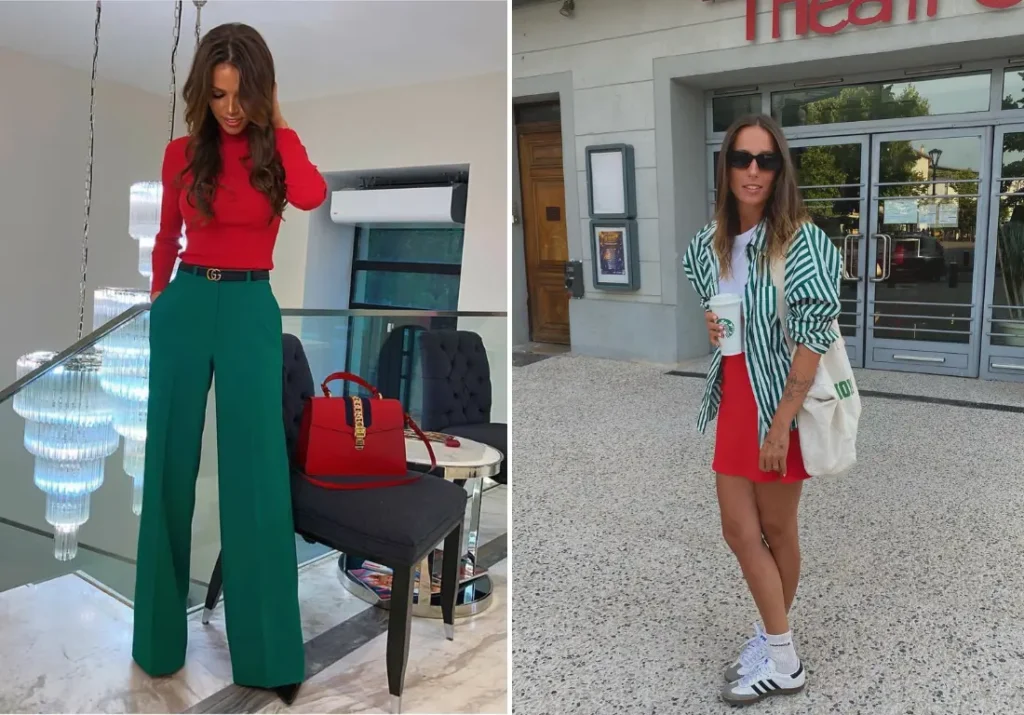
737 443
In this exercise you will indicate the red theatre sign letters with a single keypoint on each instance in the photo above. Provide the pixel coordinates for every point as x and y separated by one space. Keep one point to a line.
858 12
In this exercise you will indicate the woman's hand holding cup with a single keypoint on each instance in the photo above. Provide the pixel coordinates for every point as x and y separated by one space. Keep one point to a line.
715 330
726 309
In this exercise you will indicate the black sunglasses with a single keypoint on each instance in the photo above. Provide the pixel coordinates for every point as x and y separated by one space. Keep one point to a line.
768 161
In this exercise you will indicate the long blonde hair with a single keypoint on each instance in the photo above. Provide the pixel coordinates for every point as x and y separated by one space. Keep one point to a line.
784 211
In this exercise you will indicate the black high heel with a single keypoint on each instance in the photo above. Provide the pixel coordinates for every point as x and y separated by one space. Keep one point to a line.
287 693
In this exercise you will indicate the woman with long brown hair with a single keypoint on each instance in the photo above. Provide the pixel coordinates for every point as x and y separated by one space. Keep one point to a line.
228 181
757 393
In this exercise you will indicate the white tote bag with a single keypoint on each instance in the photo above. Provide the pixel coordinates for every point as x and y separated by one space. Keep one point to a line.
830 413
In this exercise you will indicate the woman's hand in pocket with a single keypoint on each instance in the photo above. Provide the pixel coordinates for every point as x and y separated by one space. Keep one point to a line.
715 331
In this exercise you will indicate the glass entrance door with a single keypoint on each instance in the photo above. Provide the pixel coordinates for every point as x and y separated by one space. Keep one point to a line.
927 225
1002 354
833 177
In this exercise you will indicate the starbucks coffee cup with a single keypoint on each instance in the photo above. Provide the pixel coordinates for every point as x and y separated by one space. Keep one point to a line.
729 309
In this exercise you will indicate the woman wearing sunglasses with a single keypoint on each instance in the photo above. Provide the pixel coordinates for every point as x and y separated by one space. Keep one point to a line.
760 218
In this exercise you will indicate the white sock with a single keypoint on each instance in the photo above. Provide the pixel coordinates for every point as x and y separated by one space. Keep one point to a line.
782 650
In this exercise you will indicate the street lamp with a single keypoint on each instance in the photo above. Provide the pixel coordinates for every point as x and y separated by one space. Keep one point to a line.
934 155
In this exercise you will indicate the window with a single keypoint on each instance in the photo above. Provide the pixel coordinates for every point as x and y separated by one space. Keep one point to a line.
400 268
415 268
537 113
882 100
726 110
1013 89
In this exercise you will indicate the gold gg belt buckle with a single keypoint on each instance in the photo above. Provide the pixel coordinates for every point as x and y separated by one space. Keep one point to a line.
213 274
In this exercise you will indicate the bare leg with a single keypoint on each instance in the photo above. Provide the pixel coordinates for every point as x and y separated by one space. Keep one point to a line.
777 505
741 527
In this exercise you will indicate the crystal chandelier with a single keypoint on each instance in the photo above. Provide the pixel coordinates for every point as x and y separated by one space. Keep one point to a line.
124 377
124 374
144 220
144 202
69 430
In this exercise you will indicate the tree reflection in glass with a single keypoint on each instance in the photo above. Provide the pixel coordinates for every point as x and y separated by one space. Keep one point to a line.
1013 90
1009 288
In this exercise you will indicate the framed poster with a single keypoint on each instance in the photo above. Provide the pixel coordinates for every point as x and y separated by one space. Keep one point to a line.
616 255
611 181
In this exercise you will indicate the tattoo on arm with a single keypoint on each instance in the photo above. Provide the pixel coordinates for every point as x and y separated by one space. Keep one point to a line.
798 384
796 388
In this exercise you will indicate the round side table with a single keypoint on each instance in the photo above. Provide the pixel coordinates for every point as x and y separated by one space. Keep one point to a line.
471 462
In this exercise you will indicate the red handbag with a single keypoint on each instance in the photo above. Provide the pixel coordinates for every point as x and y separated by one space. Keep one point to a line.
358 442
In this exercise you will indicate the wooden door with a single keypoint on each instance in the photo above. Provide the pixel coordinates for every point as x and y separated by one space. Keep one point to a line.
547 248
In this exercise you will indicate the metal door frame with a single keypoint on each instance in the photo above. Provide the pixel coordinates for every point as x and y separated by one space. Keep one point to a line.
998 362
915 352
852 274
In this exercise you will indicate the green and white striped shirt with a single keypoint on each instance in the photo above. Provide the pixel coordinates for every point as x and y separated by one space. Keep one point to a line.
813 271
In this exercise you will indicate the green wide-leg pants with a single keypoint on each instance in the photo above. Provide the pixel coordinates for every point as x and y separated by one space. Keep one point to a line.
198 328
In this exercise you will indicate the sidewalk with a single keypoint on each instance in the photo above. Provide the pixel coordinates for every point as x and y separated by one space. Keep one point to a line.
628 600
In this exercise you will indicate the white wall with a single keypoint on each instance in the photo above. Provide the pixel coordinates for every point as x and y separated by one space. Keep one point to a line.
462 122
44 124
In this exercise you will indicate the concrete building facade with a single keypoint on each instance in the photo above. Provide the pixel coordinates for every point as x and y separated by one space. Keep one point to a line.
906 118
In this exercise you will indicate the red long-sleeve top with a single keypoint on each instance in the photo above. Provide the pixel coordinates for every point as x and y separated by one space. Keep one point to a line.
241 234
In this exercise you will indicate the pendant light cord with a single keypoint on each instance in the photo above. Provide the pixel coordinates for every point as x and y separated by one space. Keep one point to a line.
199 17
174 82
88 171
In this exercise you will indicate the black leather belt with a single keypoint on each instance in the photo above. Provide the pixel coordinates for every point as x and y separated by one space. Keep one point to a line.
224 274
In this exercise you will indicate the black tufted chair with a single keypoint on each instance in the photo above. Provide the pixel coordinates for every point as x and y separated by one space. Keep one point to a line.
395 363
457 390
396 526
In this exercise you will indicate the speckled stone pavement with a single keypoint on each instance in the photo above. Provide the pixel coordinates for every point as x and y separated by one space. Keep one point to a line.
625 598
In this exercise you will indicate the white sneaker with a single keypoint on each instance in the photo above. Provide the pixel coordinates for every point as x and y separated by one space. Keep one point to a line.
754 651
762 681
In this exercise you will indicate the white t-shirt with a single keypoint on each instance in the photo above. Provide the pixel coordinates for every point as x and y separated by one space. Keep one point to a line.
736 283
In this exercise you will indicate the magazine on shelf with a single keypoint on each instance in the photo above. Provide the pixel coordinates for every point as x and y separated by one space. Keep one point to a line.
378 578
374 566
376 581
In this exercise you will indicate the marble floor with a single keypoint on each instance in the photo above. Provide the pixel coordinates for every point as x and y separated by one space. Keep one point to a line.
65 646
912 590
465 675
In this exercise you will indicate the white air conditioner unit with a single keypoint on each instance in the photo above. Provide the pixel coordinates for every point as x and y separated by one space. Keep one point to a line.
421 204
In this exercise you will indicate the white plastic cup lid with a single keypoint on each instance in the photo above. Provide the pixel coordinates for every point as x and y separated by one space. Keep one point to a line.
724 299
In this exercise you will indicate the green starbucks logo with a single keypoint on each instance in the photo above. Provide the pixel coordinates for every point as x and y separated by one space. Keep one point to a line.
727 325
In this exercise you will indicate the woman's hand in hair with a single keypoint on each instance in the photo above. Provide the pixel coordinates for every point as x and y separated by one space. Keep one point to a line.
276 119
715 331
774 451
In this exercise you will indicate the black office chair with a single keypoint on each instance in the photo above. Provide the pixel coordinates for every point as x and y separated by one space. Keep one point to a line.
397 527
457 394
